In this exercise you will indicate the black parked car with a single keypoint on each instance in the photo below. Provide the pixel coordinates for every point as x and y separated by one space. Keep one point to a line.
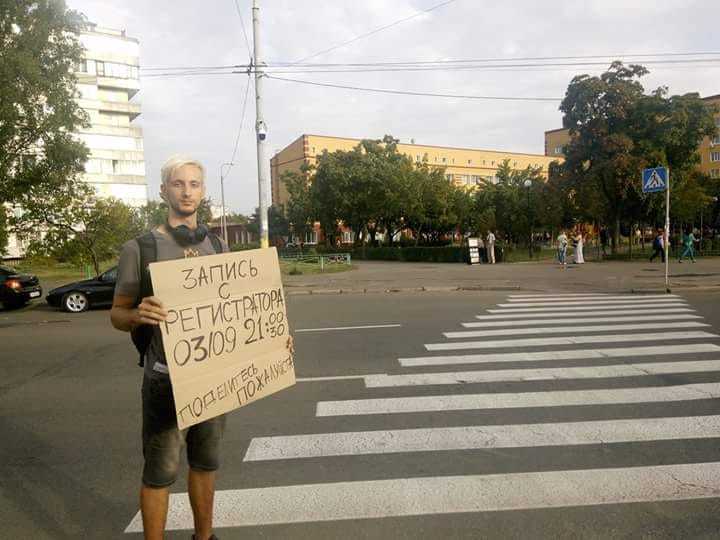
81 295
17 289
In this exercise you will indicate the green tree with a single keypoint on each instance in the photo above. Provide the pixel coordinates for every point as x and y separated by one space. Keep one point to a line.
616 130
71 223
39 49
278 225
299 209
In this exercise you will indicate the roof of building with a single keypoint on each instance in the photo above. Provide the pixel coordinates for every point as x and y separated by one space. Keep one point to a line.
430 145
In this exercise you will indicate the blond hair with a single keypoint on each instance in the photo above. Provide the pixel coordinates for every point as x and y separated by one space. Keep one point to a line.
175 162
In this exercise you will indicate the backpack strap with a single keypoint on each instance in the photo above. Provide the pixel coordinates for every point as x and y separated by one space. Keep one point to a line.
142 335
216 242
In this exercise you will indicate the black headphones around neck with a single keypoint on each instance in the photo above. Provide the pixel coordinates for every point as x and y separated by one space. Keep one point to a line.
185 236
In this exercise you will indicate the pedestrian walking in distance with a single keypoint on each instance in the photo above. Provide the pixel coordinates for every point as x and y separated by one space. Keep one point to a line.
604 236
490 247
136 310
579 243
658 246
562 241
689 246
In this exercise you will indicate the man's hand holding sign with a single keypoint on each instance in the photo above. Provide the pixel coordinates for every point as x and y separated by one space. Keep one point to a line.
225 331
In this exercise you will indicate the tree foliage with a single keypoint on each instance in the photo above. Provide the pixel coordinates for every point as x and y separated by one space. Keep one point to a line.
71 223
616 130
38 112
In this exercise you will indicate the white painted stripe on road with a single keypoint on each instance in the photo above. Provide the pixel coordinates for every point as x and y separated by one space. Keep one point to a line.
558 398
356 443
347 328
330 378
595 302
541 374
675 305
573 329
521 314
568 340
447 495
553 298
534 295
576 320
575 354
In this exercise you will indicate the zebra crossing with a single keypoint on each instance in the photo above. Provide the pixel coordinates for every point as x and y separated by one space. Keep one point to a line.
572 375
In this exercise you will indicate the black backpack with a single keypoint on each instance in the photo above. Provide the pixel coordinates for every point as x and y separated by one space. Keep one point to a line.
142 335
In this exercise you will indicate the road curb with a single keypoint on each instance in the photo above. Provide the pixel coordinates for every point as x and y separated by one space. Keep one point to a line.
291 291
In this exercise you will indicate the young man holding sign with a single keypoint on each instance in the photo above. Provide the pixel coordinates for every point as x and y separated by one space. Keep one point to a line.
183 189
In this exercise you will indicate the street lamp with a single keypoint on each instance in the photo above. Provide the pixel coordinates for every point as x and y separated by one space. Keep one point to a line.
527 185
223 219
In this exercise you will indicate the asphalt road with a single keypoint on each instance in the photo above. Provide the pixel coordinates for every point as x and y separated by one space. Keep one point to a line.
619 445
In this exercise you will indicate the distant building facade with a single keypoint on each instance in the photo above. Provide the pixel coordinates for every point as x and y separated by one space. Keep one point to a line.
463 166
709 149
108 80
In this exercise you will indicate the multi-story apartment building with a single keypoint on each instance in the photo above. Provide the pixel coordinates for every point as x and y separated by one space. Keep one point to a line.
108 80
463 166
709 149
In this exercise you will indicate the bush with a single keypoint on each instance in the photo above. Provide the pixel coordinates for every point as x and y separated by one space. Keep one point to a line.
450 254
243 247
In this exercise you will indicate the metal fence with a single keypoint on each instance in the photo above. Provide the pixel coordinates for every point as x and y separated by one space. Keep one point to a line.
323 261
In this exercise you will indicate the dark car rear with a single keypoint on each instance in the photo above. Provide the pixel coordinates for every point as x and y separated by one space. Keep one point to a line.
17 289
82 295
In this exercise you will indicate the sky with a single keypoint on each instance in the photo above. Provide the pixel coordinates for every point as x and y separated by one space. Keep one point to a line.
201 116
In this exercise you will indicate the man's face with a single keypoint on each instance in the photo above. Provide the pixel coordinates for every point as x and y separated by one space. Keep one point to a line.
185 190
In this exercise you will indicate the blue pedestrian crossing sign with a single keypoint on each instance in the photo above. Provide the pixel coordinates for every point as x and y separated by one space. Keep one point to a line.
654 180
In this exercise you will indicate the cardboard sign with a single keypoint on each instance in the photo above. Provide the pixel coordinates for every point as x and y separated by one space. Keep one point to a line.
226 334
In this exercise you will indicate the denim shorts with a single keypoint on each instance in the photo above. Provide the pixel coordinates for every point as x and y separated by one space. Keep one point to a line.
163 441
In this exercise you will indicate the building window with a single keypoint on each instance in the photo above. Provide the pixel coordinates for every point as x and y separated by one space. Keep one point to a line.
348 237
453 160
469 161
716 140
558 150
492 163
449 177
313 149
435 159
714 173
444 160
514 163
714 156
476 179
311 237
81 66
100 68
417 158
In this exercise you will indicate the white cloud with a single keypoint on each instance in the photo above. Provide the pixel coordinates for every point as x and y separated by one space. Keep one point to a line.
201 115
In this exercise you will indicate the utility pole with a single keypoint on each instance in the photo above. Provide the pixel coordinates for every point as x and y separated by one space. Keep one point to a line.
667 233
260 128
222 198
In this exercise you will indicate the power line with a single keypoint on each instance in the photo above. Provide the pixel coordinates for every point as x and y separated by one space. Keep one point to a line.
242 25
511 59
413 93
242 119
376 30
478 67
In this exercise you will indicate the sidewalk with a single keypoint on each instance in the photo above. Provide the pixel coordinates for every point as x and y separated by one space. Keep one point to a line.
385 276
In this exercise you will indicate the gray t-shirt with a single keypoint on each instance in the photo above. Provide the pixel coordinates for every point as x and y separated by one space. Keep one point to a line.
128 284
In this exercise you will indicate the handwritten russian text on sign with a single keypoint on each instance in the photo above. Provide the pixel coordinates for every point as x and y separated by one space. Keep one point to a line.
226 334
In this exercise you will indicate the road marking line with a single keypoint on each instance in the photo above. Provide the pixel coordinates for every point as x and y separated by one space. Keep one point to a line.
356 443
541 374
512 314
557 398
331 378
588 308
447 495
552 298
572 329
568 340
346 328
524 322
593 303
576 354
534 295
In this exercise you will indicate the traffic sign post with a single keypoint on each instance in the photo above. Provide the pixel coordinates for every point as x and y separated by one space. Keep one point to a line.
655 180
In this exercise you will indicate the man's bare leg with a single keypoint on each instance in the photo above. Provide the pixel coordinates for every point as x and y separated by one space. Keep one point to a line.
201 488
154 508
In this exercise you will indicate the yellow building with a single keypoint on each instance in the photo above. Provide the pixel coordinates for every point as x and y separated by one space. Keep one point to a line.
709 150
463 166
